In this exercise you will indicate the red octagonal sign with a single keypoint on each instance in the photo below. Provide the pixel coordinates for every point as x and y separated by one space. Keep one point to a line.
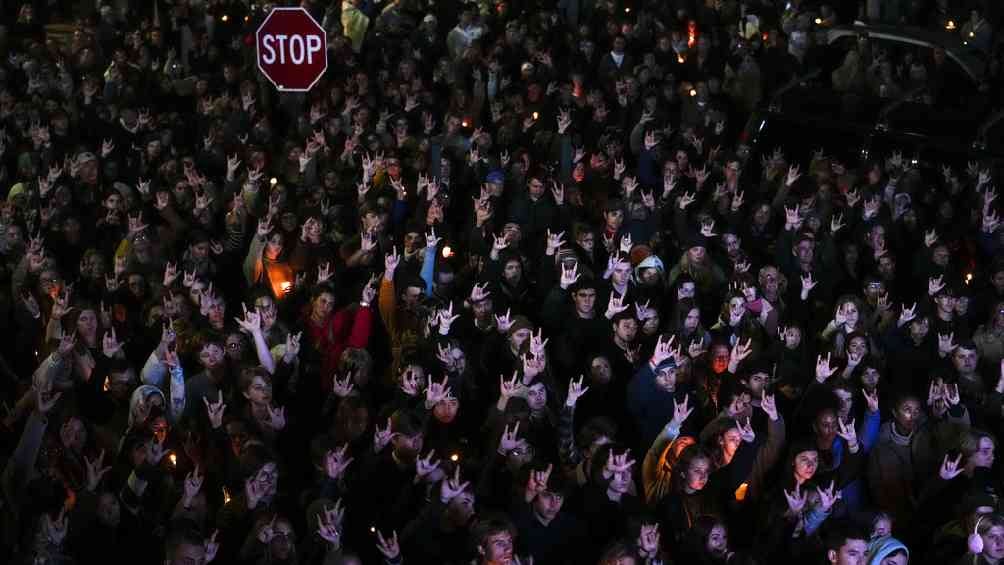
292 49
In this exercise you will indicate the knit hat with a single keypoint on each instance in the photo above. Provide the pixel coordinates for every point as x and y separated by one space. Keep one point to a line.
668 363
639 253
884 547
650 262
973 500
519 323
696 240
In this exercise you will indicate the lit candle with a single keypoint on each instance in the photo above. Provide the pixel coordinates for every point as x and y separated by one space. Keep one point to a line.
819 21
285 286
950 26
693 92
226 496
680 59
455 457
447 252
273 181
536 115
741 492
107 385
224 18
173 459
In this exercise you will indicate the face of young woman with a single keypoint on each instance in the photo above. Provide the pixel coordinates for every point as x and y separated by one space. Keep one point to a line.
805 465
718 541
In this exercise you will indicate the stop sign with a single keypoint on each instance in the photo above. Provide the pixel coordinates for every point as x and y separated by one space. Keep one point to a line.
292 49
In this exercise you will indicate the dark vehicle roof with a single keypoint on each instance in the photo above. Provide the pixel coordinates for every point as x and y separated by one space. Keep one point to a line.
965 57
815 115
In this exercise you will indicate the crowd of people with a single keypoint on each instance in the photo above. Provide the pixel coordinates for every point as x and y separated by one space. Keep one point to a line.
506 286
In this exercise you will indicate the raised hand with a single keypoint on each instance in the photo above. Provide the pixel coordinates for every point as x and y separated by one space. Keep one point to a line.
746 431
276 418
336 462
823 368
946 344
849 434
648 541
424 466
663 350
329 524
251 322
342 388
55 530
617 464
409 382
575 391
533 365
796 500
504 322
681 411
852 198
388 547
509 440
382 437
793 175
769 406
569 276
554 242
192 486
110 344
95 471
950 469
935 285
615 305
480 292
828 497
739 353
452 487
436 392
391 261
538 344
215 411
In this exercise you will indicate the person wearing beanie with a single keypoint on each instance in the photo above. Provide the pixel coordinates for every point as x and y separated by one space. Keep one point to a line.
888 551
652 392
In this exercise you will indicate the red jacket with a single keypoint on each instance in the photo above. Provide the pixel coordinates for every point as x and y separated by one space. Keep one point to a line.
348 327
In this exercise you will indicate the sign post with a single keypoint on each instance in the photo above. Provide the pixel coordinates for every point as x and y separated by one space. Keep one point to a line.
292 49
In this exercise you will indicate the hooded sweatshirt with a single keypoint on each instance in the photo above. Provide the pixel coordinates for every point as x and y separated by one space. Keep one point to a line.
883 547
